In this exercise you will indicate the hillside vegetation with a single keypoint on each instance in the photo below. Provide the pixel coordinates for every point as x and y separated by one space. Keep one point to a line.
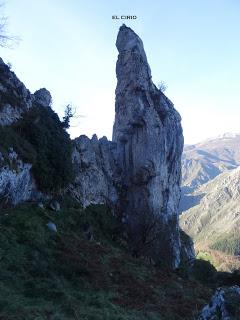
40 139
84 270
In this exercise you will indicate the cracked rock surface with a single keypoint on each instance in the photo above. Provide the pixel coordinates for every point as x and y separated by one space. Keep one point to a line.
148 135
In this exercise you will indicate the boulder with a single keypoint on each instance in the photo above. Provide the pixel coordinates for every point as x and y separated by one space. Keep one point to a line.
52 226
225 305
55 206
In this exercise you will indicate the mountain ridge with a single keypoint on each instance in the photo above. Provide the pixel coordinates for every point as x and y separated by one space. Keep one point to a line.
203 161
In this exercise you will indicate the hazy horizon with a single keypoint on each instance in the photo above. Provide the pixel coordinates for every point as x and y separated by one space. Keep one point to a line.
69 48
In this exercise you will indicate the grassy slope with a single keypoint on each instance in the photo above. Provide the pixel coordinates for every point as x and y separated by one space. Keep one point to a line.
63 275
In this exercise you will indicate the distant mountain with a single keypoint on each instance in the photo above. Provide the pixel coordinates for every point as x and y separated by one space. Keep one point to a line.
214 219
210 202
204 161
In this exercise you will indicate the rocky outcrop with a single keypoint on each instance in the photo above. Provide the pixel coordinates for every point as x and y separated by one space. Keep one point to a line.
139 172
225 305
16 182
148 135
94 165
43 97
14 97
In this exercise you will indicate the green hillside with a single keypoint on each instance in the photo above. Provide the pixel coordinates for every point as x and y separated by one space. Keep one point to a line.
84 270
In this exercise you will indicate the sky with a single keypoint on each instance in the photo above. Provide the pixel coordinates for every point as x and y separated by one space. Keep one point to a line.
68 47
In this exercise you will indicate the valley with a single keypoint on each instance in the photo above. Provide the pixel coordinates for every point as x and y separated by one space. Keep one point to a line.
210 202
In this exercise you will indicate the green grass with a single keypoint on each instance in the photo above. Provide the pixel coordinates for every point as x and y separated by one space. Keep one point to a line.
63 275
204 255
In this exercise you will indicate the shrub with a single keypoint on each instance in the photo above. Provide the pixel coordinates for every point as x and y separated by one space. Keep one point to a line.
52 166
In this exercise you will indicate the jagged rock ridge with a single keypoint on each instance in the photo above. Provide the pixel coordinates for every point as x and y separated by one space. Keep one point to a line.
94 162
138 174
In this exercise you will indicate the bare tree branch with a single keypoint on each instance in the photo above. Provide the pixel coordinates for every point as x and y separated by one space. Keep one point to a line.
162 86
6 40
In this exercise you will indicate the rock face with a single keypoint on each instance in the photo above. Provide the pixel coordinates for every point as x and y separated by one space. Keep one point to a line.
16 182
14 97
94 162
43 97
225 304
148 135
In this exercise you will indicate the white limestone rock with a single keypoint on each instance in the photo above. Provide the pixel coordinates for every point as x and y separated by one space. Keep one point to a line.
15 98
94 171
16 181
148 135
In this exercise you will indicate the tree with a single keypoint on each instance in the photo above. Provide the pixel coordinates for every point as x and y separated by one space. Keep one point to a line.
68 114
6 40
162 86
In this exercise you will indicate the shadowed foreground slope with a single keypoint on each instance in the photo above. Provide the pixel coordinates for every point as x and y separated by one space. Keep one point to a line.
83 270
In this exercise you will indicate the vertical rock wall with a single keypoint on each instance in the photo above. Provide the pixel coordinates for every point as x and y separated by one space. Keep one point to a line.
148 135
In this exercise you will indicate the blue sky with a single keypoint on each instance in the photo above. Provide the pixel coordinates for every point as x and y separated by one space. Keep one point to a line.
68 46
